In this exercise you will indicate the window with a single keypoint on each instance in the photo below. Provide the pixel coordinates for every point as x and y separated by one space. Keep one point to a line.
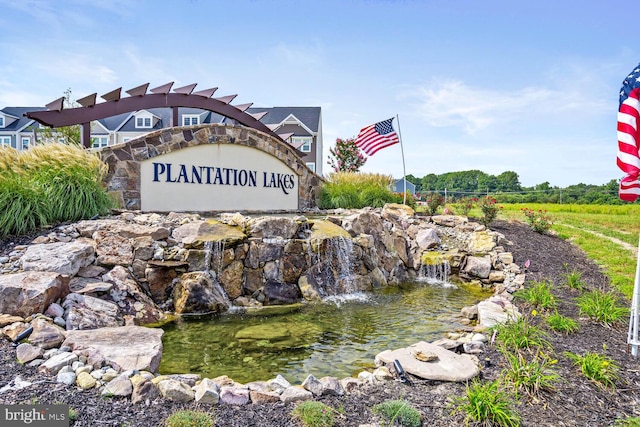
99 141
312 166
303 144
143 122
25 143
5 140
190 120
1 121
126 139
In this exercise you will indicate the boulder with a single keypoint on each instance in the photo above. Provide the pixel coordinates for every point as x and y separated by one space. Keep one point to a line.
112 248
87 312
30 292
449 366
207 392
144 391
176 391
46 335
234 395
196 292
427 239
59 257
193 235
26 352
120 386
127 347
130 298
273 227
479 267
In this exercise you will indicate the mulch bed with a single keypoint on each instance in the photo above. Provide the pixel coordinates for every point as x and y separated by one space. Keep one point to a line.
575 402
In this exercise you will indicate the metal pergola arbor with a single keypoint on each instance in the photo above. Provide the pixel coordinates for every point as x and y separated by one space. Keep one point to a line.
160 97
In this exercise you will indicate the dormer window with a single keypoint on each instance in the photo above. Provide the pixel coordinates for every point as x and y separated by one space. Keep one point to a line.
1 121
190 120
143 122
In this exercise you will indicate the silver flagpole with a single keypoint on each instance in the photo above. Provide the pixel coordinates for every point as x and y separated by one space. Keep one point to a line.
404 170
632 338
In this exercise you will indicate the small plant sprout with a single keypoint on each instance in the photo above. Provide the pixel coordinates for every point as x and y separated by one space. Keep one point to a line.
559 323
488 404
602 307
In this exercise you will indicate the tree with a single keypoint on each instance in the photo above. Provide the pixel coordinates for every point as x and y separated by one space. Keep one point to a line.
508 181
346 156
66 134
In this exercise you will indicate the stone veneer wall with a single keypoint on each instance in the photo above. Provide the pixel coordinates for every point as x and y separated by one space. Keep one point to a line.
123 160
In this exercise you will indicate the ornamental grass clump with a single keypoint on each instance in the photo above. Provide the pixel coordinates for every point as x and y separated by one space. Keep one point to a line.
398 412
520 334
50 183
573 278
559 323
355 190
314 414
70 179
488 404
596 367
602 307
531 375
538 295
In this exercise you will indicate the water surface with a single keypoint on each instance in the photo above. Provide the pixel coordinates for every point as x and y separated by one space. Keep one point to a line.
339 337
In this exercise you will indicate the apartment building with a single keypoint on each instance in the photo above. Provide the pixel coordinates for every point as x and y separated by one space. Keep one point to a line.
303 123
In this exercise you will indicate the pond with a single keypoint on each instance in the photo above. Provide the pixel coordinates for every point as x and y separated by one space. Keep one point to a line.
339 337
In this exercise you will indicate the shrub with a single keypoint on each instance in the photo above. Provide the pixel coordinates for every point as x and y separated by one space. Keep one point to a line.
489 210
189 418
600 369
539 221
538 295
488 404
434 201
560 323
465 204
601 307
314 414
399 411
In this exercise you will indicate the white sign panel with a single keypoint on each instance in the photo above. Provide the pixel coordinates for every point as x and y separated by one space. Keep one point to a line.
217 177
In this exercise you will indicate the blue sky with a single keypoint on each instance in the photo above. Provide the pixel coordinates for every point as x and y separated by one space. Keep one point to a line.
494 85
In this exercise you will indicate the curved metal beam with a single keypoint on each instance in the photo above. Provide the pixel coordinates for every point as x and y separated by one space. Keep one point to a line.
72 116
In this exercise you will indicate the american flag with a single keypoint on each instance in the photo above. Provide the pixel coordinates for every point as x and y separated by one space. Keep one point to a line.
377 136
629 137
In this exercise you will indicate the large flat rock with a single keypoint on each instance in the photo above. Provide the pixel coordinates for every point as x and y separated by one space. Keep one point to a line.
128 347
449 366
31 292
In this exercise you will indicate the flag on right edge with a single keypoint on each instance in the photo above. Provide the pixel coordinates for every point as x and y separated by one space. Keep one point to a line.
629 137
377 136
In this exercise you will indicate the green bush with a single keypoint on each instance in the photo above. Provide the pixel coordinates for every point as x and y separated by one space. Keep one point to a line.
398 411
314 414
189 418
351 190
489 210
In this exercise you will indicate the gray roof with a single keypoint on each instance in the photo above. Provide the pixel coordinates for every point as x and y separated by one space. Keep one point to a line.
310 116
19 113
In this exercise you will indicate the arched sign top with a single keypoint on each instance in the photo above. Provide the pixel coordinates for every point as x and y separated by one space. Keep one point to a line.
139 99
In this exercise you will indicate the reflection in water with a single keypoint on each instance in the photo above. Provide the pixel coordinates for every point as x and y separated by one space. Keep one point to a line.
339 337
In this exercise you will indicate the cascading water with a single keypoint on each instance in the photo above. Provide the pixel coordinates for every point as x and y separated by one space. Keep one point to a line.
213 257
435 274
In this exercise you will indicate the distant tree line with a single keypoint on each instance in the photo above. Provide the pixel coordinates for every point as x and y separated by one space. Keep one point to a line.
506 188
